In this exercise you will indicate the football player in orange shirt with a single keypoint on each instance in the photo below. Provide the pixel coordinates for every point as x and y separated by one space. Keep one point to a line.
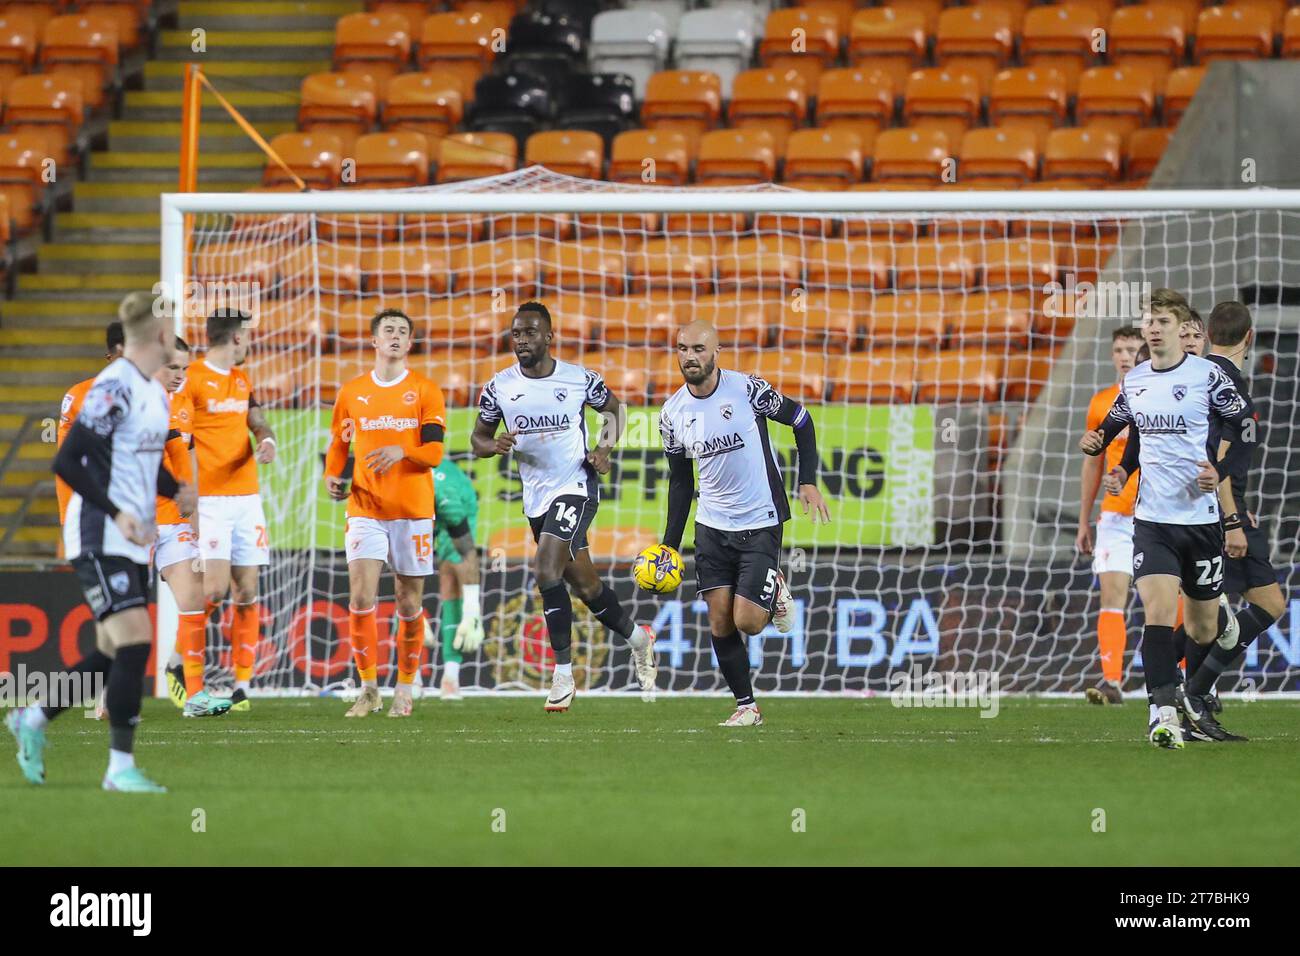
396 419
1113 550
114 341
176 553
232 525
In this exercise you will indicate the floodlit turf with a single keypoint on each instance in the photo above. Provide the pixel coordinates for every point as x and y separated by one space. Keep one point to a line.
618 781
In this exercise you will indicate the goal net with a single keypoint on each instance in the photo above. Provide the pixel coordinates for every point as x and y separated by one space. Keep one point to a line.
947 357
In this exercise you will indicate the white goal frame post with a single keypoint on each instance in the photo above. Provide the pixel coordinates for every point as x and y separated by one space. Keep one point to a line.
453 199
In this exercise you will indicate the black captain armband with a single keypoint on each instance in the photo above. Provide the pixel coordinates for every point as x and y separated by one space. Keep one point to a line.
1232 522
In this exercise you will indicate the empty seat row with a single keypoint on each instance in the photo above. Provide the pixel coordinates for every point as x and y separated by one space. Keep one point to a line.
639 375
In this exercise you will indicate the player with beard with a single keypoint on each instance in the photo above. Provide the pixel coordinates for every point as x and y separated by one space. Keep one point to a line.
719 418
542 402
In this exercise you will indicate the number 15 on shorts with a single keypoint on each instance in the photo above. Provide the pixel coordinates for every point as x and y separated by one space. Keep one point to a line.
423 544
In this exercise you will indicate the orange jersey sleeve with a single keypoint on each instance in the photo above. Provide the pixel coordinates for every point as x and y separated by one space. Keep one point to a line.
68 412
1123 502
433 411
341 431
220 400
177 451
384 415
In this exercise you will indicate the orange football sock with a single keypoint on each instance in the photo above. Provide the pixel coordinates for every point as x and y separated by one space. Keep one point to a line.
365 642
192 642
410 642
1111 640
244 634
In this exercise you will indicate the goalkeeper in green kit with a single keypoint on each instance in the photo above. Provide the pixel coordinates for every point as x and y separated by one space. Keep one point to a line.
456 514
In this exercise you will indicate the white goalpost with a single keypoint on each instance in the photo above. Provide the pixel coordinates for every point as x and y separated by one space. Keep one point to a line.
946 343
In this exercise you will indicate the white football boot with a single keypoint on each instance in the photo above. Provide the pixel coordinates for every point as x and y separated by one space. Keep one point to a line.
561 695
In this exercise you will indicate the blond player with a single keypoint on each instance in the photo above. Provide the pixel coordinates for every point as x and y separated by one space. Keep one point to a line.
1112 552
176 553
396 420
232 526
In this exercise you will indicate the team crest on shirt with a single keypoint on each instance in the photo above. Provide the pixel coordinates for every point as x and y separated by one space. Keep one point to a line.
1137 560
409 398
1180 392
241 385
95 596
561 394
726 412
118 582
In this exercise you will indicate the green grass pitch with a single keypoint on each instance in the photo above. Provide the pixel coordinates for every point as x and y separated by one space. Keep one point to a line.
616 781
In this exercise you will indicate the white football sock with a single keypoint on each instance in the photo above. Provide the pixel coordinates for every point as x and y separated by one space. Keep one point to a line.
34 718
451 671
565 670
119 761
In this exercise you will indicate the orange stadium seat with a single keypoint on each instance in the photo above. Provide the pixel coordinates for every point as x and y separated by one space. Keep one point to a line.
675 262
934 264
1180 87
717 224
889 39
222 259
573 152
882 375
733 157
940 99
774 100
1000 317
960 375
461 321
392 159
689 101
1118 98
978 39
841 9
17 45
459 373
638 320
1026 373
829 319
1019 263
840 264
458 43
47 104
823 155
22 164
664 155
1033 98
1102 9
340 103
429 103
1234 33
84 48
803 39
798 373
595 265
743 318
1291 33
859 100
376 44
1276 9
910 156
38 12
336 267
546 227
637 374
1006 157
471 155
412 12
316 158
126 17
1062 37
914 319
508 264
1090 155
408 267
1145 147
760 262
1150 35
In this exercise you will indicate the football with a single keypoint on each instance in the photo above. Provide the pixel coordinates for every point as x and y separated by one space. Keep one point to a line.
658 568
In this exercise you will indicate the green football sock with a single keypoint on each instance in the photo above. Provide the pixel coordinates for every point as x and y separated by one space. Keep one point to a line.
450 621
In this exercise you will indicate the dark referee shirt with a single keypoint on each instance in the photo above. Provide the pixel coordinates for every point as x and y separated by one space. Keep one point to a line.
1239 460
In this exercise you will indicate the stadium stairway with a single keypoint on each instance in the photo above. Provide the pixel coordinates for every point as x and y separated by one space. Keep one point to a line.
51 333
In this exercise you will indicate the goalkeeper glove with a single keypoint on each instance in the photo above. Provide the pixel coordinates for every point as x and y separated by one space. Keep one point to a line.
469 635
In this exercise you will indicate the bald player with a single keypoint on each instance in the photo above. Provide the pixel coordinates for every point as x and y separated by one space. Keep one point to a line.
719 418
542 402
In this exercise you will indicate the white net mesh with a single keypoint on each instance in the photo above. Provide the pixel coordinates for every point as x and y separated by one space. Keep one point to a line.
947 361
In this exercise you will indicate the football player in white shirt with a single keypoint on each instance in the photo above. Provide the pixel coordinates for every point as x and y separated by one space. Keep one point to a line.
541 400
1177 539
719 418
112 459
